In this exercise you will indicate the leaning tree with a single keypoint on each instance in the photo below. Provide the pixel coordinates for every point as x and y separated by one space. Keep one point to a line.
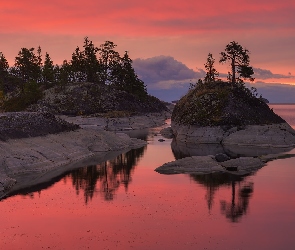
239 61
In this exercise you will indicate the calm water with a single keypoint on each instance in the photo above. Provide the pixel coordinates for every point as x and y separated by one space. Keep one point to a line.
125 204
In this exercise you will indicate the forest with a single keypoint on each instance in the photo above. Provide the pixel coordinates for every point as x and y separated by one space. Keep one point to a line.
32 72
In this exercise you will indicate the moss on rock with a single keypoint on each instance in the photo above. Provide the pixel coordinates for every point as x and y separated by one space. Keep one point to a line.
221 103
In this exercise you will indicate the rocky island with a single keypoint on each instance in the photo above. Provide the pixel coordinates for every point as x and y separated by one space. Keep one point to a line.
220 122
228 126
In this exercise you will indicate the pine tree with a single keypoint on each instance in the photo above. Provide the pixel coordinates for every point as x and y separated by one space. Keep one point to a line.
211 72
108 61
4 66
27 65
239 61
125 78
48 73
91 62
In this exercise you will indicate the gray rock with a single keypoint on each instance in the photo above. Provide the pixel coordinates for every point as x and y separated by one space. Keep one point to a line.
167 133
207 165
273 135
194 164
47 153
221 157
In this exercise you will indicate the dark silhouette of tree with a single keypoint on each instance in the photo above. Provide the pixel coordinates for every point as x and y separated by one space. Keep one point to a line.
238 206
27 65
211 72
92 66
108 60
123 77
63 73
4 66
77 65
106 177
48 72
239 61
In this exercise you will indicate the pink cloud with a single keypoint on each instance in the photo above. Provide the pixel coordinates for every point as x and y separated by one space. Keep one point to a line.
134 17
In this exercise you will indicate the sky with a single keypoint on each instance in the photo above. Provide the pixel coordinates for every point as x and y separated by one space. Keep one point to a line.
168 40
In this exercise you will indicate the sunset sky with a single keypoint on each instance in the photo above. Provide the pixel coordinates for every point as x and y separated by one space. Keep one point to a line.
168 40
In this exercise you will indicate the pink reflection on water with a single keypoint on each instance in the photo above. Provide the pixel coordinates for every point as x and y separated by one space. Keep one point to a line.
153 211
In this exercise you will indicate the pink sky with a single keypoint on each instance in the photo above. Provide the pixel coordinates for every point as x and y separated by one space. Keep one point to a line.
186 30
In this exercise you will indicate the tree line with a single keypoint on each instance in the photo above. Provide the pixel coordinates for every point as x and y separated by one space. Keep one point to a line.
101 64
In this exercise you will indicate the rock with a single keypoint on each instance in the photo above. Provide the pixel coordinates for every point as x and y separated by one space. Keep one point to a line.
192 134
191 165
167 133
274 135
91 98
207 165
228 114
137 122
17 125
243 164
47 153
221 157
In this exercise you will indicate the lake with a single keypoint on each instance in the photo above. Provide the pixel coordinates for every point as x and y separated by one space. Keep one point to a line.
124 204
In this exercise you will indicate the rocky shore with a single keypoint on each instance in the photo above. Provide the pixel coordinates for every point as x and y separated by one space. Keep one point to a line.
36 146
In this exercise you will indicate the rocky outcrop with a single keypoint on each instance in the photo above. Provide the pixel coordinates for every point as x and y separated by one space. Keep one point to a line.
270 135
41 155
119 123
208 164
227 114
16 125
90 98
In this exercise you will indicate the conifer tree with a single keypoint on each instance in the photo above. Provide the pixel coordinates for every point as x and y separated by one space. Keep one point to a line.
211 72
48 73
27 65
4 66
108 60
238 57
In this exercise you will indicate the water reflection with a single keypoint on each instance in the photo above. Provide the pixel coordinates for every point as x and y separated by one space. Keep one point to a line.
241 192
105 178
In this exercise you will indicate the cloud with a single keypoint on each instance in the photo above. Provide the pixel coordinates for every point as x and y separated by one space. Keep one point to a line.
164 72
169 79
267 74
276 92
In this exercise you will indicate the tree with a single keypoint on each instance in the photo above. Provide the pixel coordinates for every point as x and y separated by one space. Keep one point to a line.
91 61
85 63
109 59
48 70
4 66
78 65
239 61
212 73
27 65
123 77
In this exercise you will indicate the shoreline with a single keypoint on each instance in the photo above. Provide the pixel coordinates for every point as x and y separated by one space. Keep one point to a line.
33 160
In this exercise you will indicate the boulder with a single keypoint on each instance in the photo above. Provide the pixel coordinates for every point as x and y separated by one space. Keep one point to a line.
208 164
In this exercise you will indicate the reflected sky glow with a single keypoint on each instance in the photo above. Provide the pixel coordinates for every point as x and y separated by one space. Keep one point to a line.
155 211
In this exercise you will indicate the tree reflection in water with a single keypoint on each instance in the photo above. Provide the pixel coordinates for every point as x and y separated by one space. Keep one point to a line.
105 178
238 206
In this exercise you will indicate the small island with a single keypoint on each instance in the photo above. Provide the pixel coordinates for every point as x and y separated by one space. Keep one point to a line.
229 115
